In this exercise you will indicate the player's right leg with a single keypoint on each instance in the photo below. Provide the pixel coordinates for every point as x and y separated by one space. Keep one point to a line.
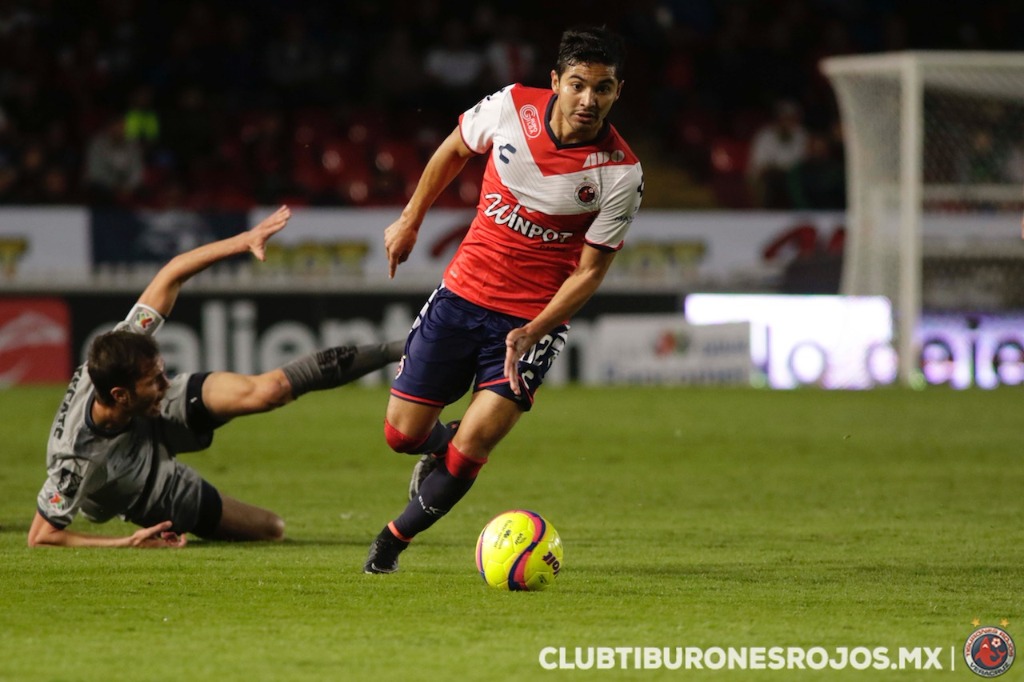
437 369
430 461
408 426
415 429
488 419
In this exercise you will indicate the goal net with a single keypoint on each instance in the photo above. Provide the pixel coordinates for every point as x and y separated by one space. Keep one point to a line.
935 184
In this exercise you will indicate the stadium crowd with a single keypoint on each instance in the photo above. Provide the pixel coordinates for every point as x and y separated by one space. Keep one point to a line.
223 105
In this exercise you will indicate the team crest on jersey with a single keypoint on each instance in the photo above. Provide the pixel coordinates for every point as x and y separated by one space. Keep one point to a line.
531 121
586 194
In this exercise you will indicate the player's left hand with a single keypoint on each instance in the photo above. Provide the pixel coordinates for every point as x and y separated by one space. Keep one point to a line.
173 539
517 342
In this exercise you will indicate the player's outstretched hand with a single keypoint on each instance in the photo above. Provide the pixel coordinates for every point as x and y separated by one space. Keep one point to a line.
268 227
157 537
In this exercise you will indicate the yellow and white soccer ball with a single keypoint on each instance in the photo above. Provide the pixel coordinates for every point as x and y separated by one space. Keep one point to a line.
519 550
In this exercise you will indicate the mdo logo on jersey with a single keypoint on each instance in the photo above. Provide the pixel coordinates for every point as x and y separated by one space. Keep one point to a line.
989 651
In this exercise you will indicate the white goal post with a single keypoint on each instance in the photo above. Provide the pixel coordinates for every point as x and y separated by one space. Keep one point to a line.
935 171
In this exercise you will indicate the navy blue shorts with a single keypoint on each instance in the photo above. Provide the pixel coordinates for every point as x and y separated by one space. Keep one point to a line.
455 344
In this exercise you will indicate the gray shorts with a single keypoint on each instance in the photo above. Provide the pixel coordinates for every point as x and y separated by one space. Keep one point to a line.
188 500
175 491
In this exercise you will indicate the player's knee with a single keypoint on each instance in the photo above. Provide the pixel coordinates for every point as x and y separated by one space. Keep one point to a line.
269 392
267 528
461 465
400 442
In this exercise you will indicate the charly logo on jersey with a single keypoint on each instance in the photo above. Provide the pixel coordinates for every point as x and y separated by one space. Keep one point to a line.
601 158
586 193
989 651
530 117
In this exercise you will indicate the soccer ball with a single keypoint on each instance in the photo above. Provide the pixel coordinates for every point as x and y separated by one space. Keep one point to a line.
519 550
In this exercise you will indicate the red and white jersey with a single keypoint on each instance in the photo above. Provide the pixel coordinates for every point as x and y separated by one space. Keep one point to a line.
540 202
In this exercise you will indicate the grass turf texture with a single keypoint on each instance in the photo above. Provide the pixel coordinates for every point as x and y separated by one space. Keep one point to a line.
695 517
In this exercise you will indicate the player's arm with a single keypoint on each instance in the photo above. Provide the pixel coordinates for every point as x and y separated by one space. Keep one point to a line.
447 162
570 297
42 533
162 292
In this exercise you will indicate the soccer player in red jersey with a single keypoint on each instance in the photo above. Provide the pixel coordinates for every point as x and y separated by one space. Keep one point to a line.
559 193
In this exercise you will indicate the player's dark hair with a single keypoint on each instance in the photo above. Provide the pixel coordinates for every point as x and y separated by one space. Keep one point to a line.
119 359
591 45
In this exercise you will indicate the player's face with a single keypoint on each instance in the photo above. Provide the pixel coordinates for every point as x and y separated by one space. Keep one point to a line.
586 93
150 390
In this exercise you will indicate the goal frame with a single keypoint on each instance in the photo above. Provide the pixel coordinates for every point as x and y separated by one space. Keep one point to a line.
912 71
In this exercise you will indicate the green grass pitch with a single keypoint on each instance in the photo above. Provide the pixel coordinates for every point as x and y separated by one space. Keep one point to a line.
690 518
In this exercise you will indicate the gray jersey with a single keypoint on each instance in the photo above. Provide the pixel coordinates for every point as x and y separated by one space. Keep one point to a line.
132 473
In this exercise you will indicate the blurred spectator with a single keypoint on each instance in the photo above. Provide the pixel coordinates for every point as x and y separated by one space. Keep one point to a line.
1014 166
455 67
818 181
193 76
191 131
984 161
239 67
266 156
10 166
141 121
14 17
511 55
396 71
56 187
28 188
776 148
114 165
296 62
